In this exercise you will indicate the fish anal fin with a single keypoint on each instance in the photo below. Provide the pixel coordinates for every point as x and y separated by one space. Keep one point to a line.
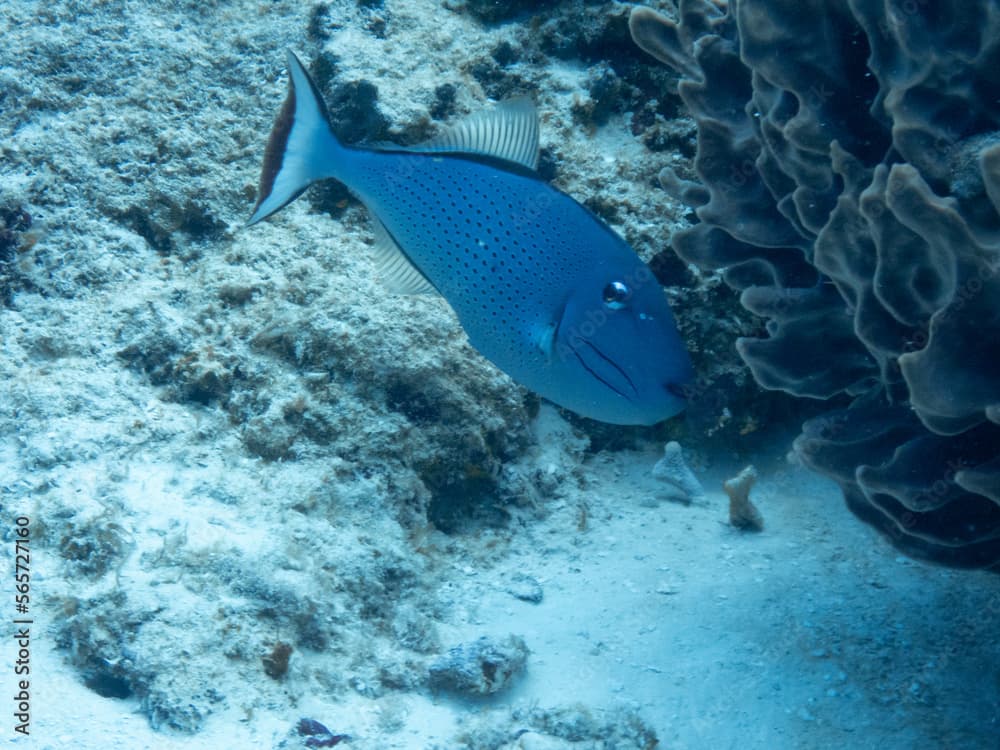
396 272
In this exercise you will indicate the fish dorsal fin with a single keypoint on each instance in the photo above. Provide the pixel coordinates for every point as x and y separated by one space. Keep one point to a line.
507 131
396 272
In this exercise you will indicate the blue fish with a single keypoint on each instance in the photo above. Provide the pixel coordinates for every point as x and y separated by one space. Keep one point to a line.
542 287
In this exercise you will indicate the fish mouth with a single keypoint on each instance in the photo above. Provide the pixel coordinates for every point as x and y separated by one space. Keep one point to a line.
605 370
678 390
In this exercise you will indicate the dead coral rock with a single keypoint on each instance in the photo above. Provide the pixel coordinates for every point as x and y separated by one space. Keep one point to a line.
482 667
168 352
124 648
169 223
743 514
270 436
526 588
93 547
455 418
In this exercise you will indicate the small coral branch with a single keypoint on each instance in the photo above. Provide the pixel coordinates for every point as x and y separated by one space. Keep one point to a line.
743 514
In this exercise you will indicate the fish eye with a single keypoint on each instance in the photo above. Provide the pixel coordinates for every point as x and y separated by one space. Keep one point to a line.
616 294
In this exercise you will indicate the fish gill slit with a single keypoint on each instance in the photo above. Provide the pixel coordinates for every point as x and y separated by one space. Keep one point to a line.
613 364
587 368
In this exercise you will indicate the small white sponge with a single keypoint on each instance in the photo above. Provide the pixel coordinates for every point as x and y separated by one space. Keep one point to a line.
681 482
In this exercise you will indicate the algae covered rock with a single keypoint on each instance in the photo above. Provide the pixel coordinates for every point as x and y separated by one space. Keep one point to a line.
482 667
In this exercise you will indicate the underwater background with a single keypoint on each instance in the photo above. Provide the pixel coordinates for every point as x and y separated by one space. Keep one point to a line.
269 504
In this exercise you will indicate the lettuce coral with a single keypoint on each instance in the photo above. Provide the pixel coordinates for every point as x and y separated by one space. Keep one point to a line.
849 187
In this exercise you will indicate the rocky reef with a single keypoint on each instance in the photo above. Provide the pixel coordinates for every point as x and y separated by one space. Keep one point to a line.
847 181
272 506
241 428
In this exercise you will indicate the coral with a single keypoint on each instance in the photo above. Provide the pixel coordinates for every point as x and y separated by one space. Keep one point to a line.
680 481
743 514
848 187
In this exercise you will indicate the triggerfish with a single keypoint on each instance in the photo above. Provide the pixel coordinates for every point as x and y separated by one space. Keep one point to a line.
542 287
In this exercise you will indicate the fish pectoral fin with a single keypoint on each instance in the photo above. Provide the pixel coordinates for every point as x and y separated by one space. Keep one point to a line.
545 338
544 335
508 131
396 272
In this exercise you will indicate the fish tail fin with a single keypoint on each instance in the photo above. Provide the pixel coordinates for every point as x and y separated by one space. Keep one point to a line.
301 147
